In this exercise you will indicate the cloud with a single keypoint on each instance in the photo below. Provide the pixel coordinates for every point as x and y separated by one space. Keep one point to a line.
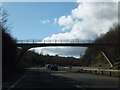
55 20
81 1
96 11
61 36
45 21
66 22
62 51
86 22
97 17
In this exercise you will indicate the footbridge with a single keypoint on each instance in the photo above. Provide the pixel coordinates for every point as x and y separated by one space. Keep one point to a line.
74 42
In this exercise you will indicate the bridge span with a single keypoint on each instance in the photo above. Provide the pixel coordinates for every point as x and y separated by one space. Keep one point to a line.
74 42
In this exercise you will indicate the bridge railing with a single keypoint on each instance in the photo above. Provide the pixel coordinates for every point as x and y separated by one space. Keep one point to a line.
55 41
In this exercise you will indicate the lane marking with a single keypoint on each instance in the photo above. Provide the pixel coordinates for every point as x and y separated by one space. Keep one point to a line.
78 86
12 86
57 74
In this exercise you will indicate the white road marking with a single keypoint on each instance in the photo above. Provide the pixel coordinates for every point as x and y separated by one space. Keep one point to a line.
78 86
57 74
12 86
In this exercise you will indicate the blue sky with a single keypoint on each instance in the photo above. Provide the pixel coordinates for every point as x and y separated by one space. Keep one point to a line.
26 18
61 21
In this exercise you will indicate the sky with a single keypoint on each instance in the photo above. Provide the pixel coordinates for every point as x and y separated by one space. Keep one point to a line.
60 21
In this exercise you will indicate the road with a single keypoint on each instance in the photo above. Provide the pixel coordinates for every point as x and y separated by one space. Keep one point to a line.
37 78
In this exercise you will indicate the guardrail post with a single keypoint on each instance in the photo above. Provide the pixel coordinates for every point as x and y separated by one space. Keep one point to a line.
90 71
110 73
102 72
95 72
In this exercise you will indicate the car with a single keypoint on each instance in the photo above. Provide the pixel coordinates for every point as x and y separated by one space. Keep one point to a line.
49 66
54 68
46 65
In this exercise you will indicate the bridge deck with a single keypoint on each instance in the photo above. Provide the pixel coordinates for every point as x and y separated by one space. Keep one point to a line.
67 44
74 42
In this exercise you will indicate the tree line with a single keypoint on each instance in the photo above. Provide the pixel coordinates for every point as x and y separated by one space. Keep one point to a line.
9 50
32 58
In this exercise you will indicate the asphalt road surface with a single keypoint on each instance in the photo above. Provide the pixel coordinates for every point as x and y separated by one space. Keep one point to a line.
37 78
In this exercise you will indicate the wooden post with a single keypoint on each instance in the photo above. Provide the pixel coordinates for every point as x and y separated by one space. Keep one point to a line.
95 72
102 72
90 71
110 73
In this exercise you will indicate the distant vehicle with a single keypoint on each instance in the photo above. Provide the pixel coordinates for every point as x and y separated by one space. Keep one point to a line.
51 67
54 68
48 66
